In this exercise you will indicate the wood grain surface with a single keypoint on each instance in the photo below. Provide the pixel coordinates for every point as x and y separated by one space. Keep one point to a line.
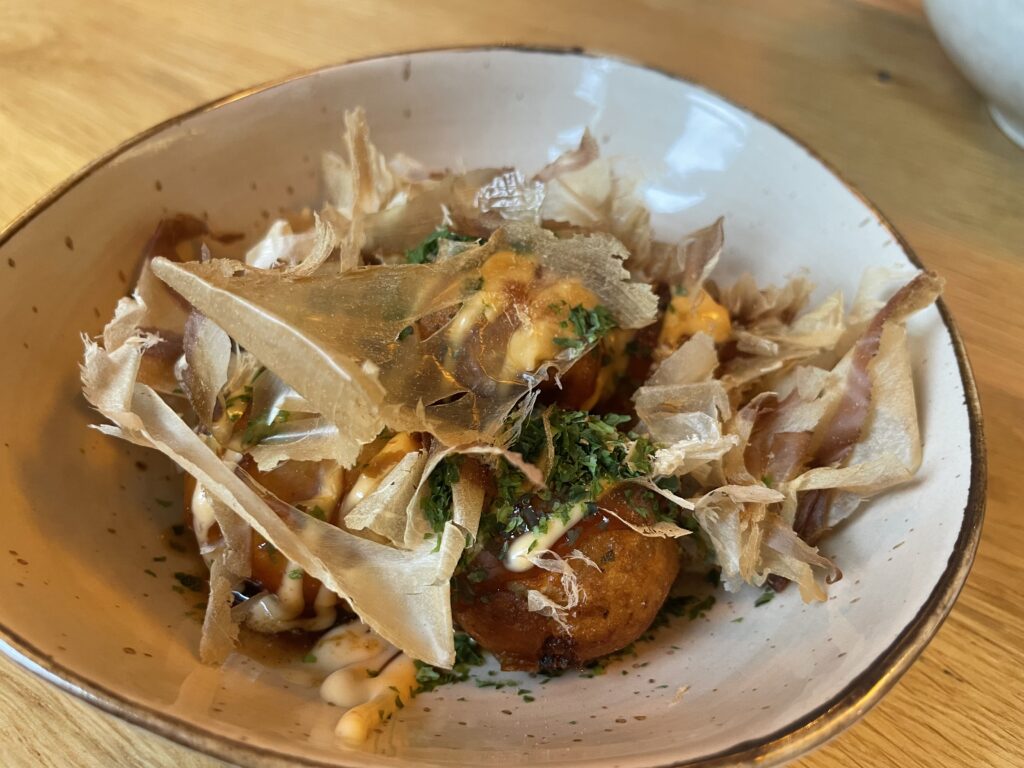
864 83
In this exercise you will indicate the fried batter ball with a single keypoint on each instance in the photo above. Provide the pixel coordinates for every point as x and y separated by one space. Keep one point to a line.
617 603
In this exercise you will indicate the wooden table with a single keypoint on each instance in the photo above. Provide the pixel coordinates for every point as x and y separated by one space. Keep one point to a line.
865 84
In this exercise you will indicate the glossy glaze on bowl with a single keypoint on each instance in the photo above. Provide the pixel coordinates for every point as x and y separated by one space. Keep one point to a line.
87 571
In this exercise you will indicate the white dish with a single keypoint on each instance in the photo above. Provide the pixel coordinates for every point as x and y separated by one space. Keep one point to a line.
986 42
83 515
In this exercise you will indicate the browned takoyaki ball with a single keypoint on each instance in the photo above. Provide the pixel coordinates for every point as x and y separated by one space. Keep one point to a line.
618 603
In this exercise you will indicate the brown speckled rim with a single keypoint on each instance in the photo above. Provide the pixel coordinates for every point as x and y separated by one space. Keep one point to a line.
786 743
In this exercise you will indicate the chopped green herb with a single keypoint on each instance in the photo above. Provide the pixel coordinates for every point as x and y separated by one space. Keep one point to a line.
765 597
405 333
672 607
426 252
295 573
591 452
316 512
670 484
244 397
467 656
160 559
589 325
437 503
701 607
163 502
151 573
496 684
258 429
309 658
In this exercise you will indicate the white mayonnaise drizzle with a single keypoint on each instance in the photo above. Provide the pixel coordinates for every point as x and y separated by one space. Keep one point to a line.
202 515
366 674
282 610
517 558
201 505
361 488
377 468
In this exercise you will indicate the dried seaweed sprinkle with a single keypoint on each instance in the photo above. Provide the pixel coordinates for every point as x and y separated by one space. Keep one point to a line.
437 503
426 252
467 656
589 325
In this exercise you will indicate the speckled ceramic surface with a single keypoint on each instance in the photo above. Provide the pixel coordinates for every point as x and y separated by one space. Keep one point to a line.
87 563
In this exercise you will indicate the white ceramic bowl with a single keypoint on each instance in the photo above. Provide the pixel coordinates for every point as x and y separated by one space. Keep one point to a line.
986 41
88 599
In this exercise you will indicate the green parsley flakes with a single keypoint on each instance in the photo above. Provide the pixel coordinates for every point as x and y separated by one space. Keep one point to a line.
589 325
437 503
467 656
426 251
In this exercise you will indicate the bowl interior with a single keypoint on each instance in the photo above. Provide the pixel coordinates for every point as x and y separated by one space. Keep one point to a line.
89 558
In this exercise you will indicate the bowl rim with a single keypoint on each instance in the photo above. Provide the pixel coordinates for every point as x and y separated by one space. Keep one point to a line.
786 743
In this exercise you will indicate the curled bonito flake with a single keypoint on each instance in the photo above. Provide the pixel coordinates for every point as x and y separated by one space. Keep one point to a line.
775 337
683 407
386 509
688 263
572 594
751 542
659 529
589 194
573 160
870 440
207 352
834 438
383 584
220 627
335 324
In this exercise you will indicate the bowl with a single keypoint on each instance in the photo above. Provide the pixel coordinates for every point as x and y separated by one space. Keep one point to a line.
91 601
986 42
